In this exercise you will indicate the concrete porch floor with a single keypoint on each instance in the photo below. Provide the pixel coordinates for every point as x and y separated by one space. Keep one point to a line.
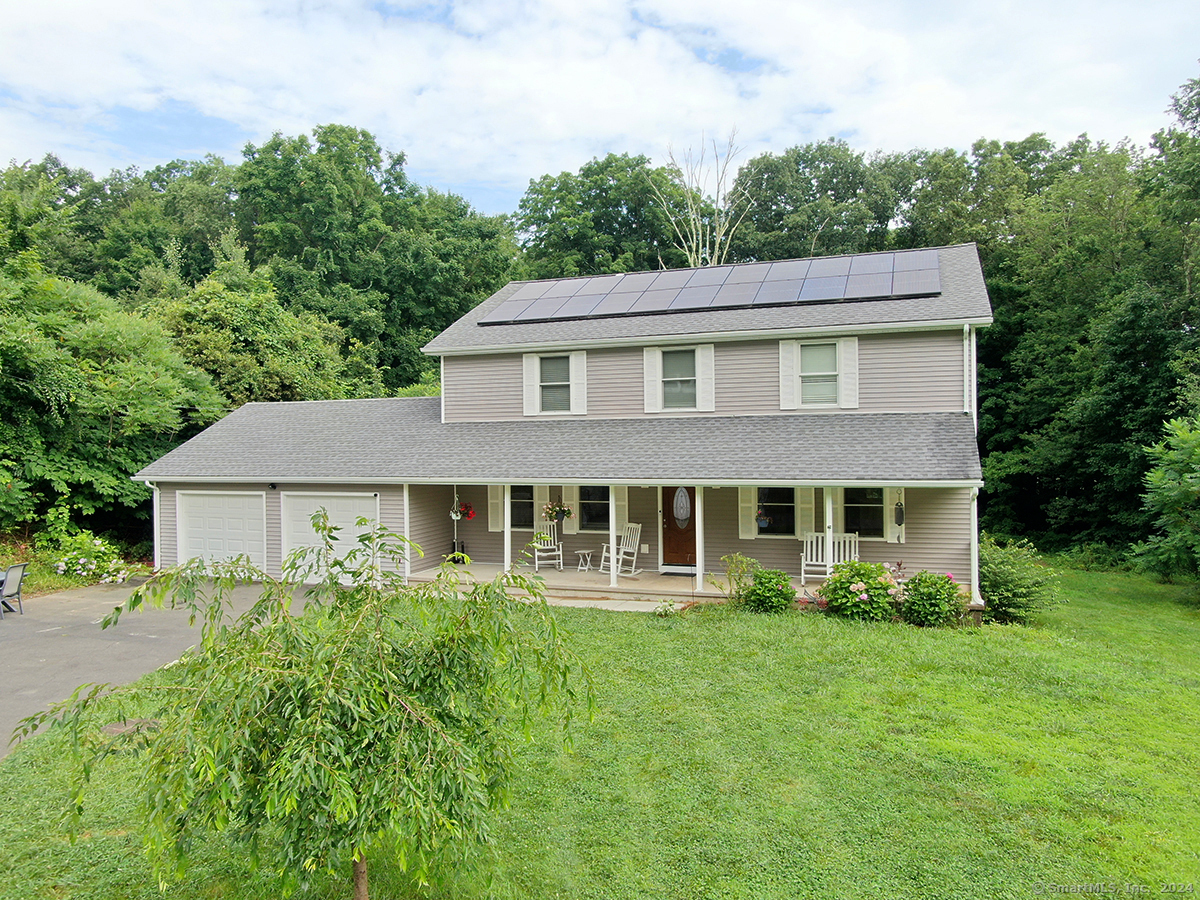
570 587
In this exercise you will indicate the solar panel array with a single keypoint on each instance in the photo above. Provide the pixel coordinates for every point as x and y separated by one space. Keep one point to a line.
826 279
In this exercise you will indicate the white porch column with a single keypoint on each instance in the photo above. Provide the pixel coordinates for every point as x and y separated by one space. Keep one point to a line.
612 535
699 513
828 492
975 595
508 560
407 547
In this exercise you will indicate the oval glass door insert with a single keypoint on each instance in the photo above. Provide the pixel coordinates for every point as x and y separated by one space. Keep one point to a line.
683 508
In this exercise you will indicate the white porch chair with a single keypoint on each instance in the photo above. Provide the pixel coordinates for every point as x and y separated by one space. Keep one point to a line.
627 551
813 561
546 547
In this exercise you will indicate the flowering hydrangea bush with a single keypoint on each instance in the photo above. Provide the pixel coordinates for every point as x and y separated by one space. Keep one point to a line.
91 559
931 600
861 590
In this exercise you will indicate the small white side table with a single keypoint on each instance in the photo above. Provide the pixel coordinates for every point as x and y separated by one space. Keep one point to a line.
585 560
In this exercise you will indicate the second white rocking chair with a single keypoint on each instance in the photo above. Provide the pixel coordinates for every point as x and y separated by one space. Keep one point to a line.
627 551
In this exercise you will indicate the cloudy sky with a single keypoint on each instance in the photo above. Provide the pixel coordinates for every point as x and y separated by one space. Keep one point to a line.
483 95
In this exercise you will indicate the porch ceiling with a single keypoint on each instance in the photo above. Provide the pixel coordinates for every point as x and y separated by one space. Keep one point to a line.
403 439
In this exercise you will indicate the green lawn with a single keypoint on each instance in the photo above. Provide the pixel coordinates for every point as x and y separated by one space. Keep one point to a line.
795 756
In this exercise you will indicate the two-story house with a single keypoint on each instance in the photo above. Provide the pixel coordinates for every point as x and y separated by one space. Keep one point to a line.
726 409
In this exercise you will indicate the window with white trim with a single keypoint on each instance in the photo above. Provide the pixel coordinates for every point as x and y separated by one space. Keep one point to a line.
776 511
521 505
555 384
594 508
679 379
863 511
820 374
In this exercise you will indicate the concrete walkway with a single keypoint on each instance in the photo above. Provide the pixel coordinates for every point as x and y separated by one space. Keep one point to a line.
58 645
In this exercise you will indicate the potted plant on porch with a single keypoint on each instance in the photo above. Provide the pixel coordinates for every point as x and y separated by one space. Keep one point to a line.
556 511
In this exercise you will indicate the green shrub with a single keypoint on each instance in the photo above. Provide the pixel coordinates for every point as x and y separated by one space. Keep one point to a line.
931 600
861 590
90 559
1014 581
739 572
771 591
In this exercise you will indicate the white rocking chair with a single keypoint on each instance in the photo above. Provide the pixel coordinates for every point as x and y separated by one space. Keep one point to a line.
627 551
813 561
546 547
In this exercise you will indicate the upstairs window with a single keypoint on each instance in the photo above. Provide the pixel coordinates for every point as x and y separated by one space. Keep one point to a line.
818 374
679 379
555 383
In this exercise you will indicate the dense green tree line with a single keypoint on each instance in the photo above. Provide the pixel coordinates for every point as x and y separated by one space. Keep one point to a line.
315 269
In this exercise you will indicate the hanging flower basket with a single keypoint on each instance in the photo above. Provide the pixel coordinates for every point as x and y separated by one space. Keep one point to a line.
556 510
762 518
462 511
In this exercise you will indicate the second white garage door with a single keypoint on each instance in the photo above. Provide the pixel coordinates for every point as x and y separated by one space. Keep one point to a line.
344 511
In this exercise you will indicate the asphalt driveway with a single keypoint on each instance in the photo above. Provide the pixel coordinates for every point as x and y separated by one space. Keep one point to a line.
58 645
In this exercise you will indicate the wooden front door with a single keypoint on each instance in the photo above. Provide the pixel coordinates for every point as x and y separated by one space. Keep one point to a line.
679 526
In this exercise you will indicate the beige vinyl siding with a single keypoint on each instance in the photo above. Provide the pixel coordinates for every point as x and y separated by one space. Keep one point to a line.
482 546
911 372
905 372
937 525
168 526
429 522
937 530
482 388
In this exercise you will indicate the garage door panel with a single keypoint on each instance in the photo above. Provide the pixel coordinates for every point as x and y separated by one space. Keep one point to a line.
344 511
223 525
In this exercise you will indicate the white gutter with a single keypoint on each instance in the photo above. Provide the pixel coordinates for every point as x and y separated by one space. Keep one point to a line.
599 479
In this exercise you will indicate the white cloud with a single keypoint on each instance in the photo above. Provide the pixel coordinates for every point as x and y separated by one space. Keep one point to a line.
487 94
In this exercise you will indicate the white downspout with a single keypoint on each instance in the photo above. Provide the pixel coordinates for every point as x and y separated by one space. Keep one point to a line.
508 560
157 528
613 567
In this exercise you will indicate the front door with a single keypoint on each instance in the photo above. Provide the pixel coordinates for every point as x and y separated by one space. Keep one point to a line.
679 526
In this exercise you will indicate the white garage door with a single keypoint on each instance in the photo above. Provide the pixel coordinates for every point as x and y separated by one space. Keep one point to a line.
215 526
344 511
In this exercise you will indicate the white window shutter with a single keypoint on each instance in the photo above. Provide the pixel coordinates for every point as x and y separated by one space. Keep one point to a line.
747 507
652 374
532 384
806 514
579 383
787 376
619 504
495 507
541 496
570 496
848 373
705 378
839 509
891 531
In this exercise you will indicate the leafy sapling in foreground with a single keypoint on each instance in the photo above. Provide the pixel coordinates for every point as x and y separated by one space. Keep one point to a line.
379 718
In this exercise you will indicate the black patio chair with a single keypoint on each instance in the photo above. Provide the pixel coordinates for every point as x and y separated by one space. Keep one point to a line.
11 589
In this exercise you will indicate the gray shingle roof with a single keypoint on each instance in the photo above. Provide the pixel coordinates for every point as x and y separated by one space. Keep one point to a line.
397 440
963 297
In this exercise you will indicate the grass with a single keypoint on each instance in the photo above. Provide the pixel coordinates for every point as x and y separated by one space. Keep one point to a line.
741 756
41 576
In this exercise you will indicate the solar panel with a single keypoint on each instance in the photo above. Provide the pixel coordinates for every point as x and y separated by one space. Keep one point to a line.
736 294
579 305
877 284
754 272
710 275
909 260
695 297
911 284
653 301
634 283
872 264
824 288
791 270
826 266
778 292
904 273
